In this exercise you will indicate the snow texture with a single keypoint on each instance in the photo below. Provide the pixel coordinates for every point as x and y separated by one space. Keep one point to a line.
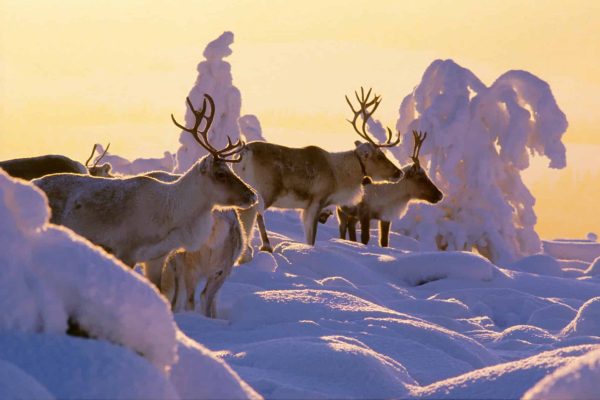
477 145
576 380
214 78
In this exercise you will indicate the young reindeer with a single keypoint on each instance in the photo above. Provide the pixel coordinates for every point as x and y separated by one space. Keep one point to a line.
214 261
311 178
140 218
386 201
35 167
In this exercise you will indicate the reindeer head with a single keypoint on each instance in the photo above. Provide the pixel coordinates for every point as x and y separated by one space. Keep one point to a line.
373 161
102 170
225 187
417 180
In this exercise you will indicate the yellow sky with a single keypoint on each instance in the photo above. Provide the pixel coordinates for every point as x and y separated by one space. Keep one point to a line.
77 72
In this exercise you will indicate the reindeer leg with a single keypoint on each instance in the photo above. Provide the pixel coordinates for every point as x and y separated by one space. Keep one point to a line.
266 245
153 270
310 218
384 233
208 298
365 234
342 222
352 228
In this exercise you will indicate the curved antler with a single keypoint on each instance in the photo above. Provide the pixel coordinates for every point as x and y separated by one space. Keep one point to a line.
366 109
419 139
201 135
87 162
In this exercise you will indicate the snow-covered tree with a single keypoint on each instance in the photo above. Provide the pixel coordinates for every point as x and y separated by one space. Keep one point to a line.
479 141
215 79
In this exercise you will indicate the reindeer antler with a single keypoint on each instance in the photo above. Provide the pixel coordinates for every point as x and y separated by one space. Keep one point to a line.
366 113
201 135
419 139
92 155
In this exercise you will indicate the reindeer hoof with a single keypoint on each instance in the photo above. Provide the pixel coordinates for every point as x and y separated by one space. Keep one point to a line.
266 248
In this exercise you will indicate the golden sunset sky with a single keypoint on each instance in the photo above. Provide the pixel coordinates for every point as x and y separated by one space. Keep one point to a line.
77 72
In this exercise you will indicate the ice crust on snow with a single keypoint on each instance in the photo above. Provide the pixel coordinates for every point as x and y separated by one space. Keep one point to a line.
477 145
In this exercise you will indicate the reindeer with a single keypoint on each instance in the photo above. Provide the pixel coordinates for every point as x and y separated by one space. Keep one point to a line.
34 167
214 261
140 218
311 178
385 201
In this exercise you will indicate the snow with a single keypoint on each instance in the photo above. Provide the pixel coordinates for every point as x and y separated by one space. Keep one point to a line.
576 380
336 320
587 320
123 166
582 250
478 142
55 286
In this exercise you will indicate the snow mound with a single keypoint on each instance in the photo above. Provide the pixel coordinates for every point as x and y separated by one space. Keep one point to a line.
327 359
420 268
506 307
75 368
594 268
553 317
198 373
576 380
504 381
479 141
587 320
541 264
17 384
54 280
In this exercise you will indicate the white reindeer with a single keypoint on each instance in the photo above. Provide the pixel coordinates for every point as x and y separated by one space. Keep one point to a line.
214 261
141 218
385 201
311 178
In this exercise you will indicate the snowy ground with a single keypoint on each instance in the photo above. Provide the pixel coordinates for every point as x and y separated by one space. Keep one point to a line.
346 320
338 320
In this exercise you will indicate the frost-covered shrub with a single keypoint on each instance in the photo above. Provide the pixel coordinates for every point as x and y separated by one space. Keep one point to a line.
479 141
214 78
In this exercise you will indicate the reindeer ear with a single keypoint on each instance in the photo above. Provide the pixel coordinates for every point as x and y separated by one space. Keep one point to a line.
357 143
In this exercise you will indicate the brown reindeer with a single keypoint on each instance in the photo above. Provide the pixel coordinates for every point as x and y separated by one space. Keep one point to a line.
35 167
311 178
385 201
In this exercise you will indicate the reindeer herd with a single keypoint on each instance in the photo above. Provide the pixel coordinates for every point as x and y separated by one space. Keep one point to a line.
198 225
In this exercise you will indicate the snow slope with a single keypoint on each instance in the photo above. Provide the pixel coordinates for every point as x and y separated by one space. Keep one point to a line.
346 320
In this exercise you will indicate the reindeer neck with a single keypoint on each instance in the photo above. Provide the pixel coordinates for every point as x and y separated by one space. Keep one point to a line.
186 198
347 168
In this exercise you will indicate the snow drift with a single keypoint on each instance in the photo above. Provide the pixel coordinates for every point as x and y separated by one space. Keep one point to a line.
56 285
